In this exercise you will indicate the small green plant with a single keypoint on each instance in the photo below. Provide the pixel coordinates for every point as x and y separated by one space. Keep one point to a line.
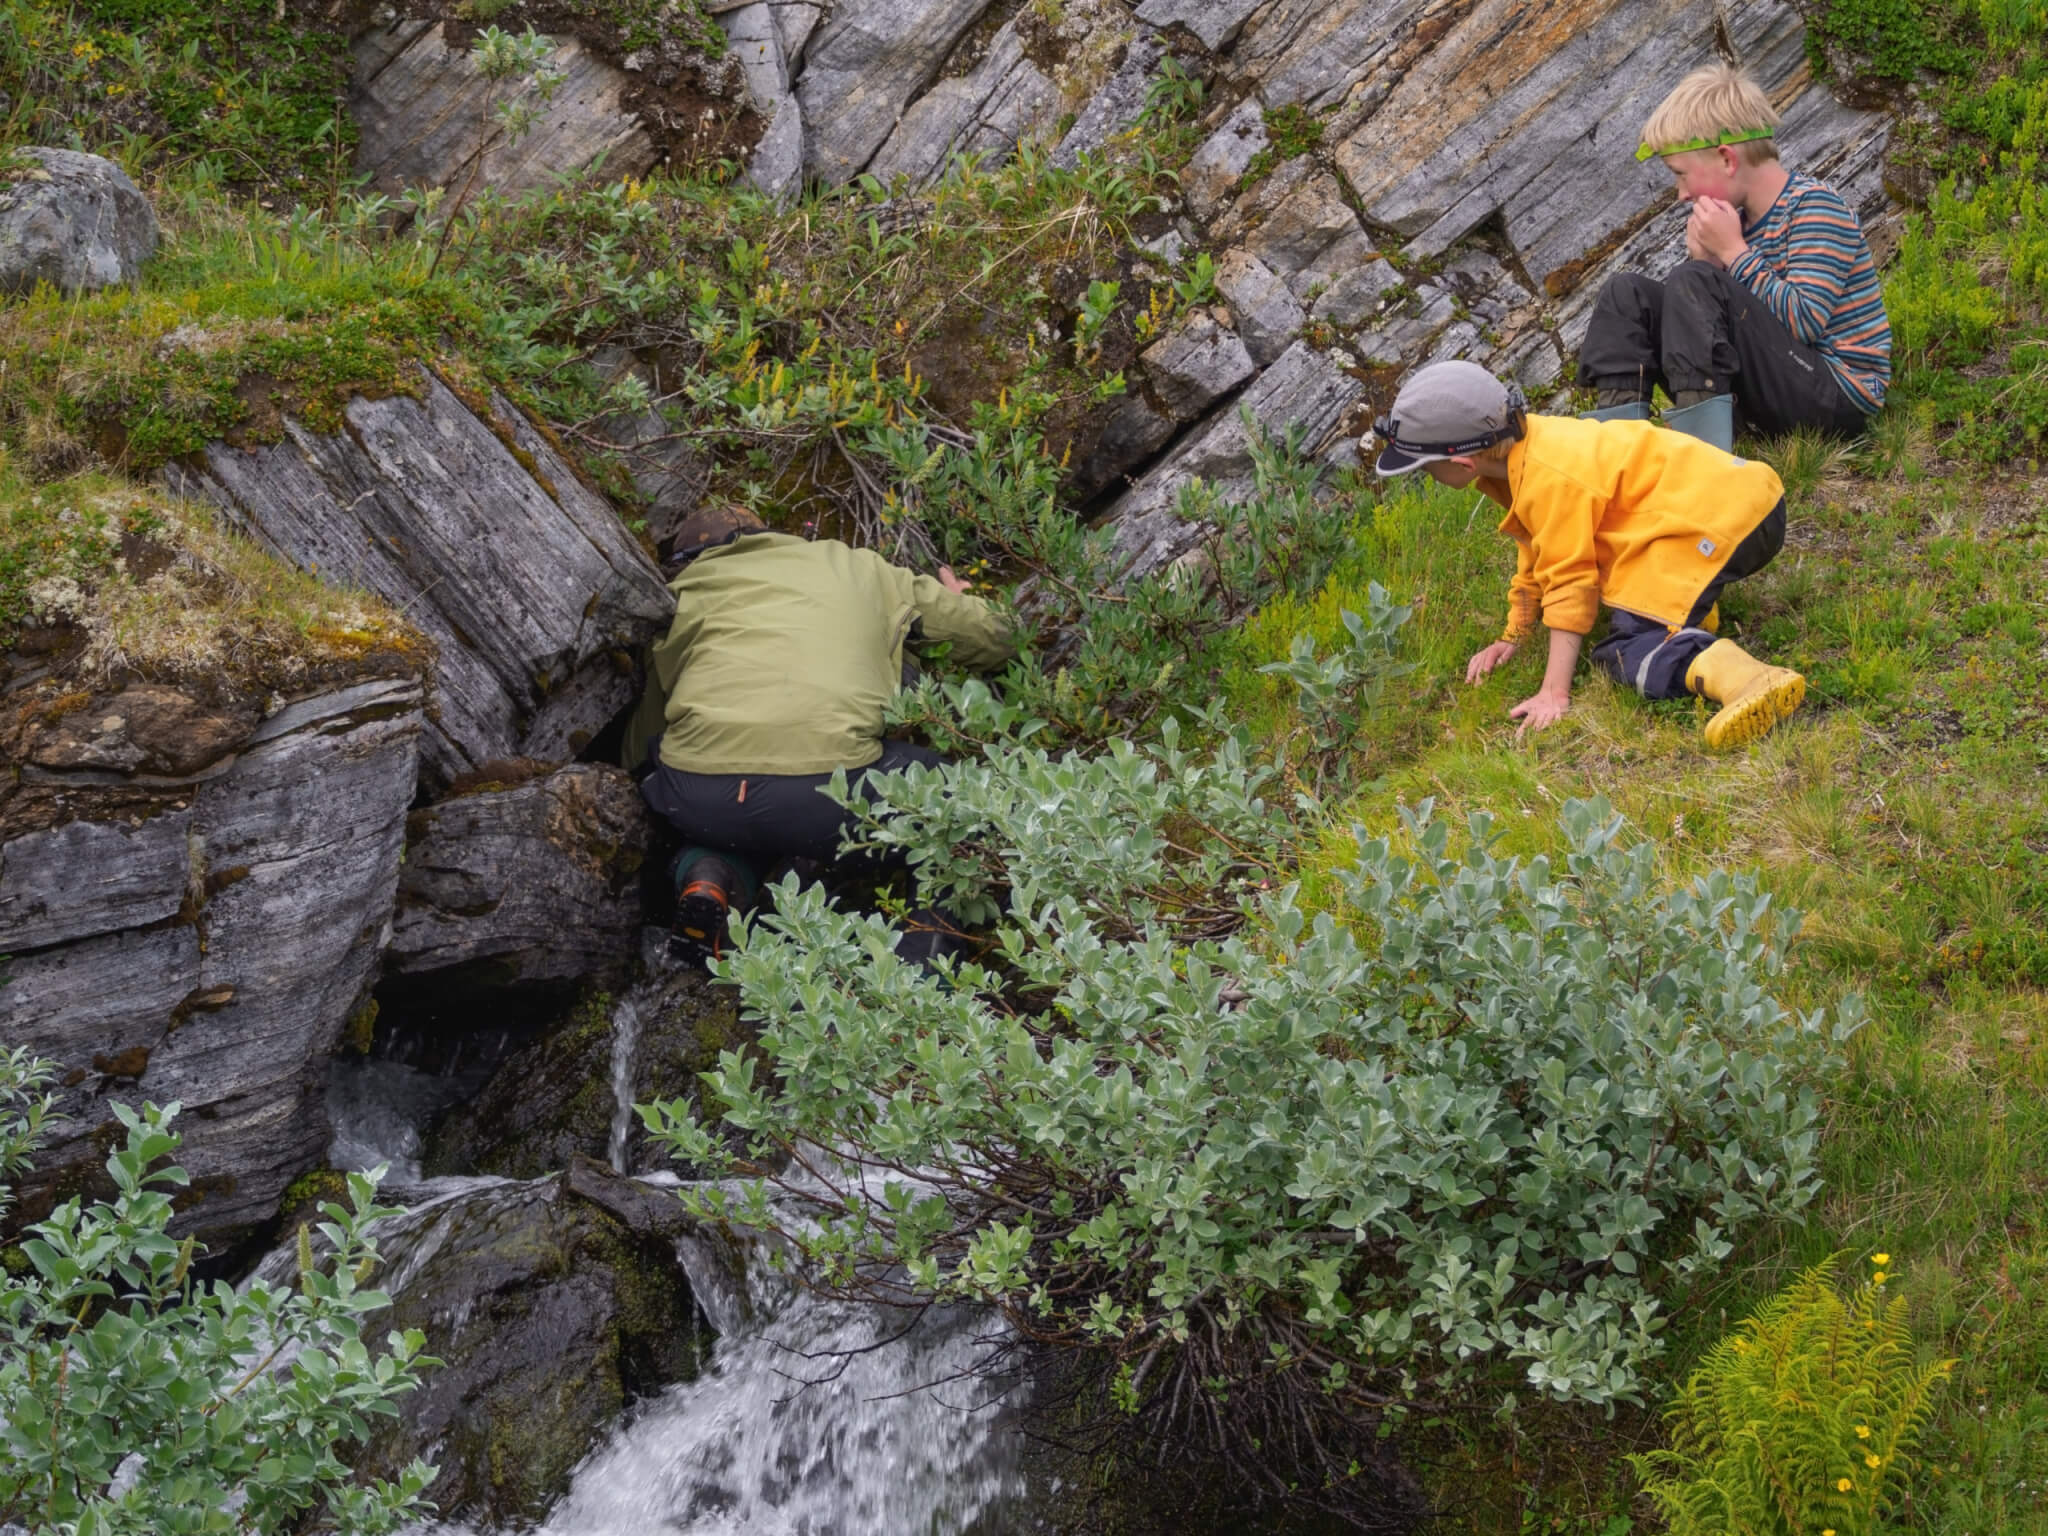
135 1401
1098 305
1291 132
1199 286
1174 93
1804 1421
1336 691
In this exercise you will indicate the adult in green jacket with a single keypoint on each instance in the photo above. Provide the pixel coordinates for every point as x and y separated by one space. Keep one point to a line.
782 657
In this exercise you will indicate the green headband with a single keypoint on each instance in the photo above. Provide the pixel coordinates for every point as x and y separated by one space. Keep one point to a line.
1740 136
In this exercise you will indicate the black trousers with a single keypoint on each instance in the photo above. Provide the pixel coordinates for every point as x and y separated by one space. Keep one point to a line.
765 818
1652 657
1701 329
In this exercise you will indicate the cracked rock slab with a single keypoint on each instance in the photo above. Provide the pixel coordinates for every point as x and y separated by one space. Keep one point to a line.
210 952
1196 364
864 67
1268 315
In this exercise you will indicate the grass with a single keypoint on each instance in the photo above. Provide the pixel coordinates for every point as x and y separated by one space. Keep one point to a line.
1903 812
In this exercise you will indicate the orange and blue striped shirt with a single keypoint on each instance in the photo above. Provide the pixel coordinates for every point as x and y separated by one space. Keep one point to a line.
1809 263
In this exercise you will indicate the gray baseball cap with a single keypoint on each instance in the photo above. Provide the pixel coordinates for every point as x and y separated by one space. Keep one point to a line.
1445 409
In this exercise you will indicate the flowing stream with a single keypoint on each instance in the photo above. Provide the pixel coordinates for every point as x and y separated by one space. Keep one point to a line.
813 1417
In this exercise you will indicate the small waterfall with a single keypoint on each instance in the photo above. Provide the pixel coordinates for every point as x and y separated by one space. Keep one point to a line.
625 1037
815 1418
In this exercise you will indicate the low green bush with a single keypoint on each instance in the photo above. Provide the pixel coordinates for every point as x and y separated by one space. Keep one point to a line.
136 1401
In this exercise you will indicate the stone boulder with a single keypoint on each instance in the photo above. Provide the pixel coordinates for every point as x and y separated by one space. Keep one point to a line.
1196 364
74 221
537 872
483 537
553 1306
569 1094
193 896
758 35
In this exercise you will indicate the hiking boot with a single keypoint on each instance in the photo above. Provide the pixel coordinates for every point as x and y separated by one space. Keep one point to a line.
708 886
1708 417
1754 695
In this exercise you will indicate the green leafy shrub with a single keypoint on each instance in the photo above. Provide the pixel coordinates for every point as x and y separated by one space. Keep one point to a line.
1803 1421
135 1401
1460 1137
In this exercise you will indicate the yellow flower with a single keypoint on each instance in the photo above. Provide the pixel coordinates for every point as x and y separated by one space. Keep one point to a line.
1862 1431
1843 1485
1878 1278
1880 1259
1873 1462
1830 1531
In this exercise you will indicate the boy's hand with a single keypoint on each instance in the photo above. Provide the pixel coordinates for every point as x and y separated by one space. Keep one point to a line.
1716 229
1493 656
1544 707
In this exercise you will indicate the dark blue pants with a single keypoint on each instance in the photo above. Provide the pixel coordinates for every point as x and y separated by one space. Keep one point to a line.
1652 657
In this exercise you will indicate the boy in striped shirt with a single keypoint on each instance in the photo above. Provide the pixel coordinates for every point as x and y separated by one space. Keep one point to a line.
1776 311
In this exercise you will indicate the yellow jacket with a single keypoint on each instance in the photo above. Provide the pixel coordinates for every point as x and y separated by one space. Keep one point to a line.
1622 512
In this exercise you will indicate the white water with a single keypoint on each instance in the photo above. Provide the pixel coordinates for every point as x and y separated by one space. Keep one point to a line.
625 1037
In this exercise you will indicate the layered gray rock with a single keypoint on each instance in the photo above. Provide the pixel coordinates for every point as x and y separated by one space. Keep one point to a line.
540 877
72 220
758 36
988 110
420 106
1214 171
525 580
868 62
1215 22
198 923
1115 108
552 1305
1305 391
1196 364
1269 317
668 474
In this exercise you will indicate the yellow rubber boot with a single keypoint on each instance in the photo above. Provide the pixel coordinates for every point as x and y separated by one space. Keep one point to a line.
1753 695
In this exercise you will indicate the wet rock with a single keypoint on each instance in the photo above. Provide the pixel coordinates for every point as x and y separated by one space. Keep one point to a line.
1196 364
1116 108
72 220
541 876
864 67
553 1306
1268 315
558 1100
531 589
1219 165
987 111
205 939
1215 22
1305 390
418 102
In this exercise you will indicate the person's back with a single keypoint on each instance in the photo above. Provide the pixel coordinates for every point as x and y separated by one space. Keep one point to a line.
785 654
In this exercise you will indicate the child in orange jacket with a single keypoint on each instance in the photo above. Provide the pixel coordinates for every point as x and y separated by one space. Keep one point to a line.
1650 522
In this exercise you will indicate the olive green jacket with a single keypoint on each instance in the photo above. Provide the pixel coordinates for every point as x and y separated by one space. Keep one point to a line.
785 652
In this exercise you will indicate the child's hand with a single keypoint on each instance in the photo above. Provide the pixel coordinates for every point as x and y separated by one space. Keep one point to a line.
1542 708
1717 229
1493 656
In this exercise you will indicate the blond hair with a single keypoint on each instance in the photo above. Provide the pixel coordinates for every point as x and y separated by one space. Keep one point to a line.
1708 103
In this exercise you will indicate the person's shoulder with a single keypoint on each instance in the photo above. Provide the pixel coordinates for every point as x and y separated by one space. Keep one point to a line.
1805 194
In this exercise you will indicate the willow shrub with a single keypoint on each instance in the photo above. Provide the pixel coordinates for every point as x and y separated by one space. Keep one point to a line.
136 1401
1464 1135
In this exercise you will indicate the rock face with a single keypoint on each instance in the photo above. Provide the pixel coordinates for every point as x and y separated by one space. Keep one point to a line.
71 220
540 877
552 1305
193 901
558 1099
863 68
531 589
